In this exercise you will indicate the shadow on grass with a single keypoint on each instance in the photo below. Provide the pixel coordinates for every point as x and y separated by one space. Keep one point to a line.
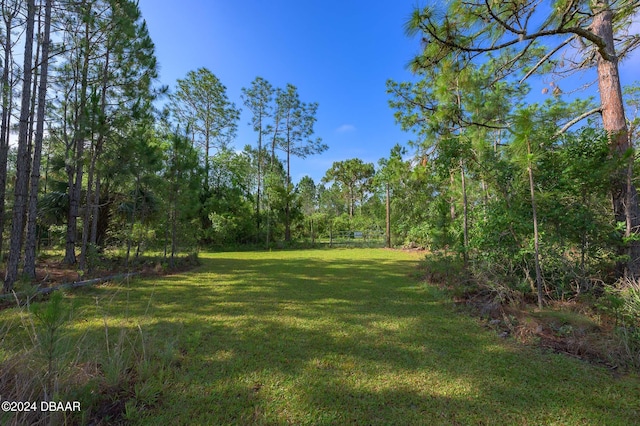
311 338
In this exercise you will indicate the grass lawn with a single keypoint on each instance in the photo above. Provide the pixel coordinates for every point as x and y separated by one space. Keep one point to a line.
326 337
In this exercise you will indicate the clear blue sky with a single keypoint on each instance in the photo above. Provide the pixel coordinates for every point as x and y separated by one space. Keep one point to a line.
338 53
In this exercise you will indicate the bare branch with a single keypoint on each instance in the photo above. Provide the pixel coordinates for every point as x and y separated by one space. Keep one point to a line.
577 119
630 44
502 23
546 57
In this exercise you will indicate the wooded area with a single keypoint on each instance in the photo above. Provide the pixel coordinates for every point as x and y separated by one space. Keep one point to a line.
536 198
517 195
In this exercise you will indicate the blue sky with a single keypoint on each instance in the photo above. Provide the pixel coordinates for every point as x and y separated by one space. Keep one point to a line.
339 53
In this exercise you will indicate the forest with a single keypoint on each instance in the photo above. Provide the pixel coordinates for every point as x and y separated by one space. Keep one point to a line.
535 198
518 186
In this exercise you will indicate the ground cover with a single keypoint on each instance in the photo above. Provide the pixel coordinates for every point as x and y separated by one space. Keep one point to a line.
343 336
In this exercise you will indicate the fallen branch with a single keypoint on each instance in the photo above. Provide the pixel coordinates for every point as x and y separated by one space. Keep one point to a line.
75 284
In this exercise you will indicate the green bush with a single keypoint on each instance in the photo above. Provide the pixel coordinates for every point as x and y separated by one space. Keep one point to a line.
622 301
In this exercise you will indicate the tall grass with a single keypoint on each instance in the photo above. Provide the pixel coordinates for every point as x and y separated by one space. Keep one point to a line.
48 355
623 301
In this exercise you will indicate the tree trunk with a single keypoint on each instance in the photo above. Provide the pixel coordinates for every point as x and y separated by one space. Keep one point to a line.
313 236
30 248
174 231
535 228
388 217
133 220
166 235
452 198
624 195
268 233
5 124
23 160
465 215
95 206
86 221
174 201
352 201
97 148
261 133
75 188
287 207
259 178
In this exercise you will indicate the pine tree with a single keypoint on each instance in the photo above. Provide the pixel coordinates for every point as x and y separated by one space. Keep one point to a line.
529 37
23 160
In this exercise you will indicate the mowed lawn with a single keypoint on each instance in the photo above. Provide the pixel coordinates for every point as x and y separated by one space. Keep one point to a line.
333 337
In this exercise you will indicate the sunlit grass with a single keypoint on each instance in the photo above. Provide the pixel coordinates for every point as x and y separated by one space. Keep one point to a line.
335 337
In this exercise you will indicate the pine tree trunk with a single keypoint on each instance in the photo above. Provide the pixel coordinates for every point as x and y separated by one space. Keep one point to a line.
313 235
624 195
452 198
31 242
388 217
174 203
287 209
86 221
535 229
352 202
174 231
166 235
75 188
95 206
95 152
133 220
22 165
465 215
259 177
5 124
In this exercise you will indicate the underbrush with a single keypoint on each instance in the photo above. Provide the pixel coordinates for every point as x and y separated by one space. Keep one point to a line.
114 378
115 371
117 261
52 273
622 303
581 318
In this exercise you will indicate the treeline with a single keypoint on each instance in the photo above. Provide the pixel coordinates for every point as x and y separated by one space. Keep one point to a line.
88 162
530 198
537 198
81 102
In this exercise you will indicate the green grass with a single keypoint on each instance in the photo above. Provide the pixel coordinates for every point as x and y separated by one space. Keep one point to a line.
327 337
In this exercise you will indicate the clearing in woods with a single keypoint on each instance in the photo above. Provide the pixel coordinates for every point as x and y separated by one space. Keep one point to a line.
344 336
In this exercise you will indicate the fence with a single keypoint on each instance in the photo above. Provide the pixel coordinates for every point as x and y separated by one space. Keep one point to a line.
372 238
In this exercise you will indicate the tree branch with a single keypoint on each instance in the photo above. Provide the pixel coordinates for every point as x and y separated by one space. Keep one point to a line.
577 119
431 28
502 23
546 57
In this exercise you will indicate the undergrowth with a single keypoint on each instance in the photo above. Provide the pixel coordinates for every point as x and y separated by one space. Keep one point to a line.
115 378
598 322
